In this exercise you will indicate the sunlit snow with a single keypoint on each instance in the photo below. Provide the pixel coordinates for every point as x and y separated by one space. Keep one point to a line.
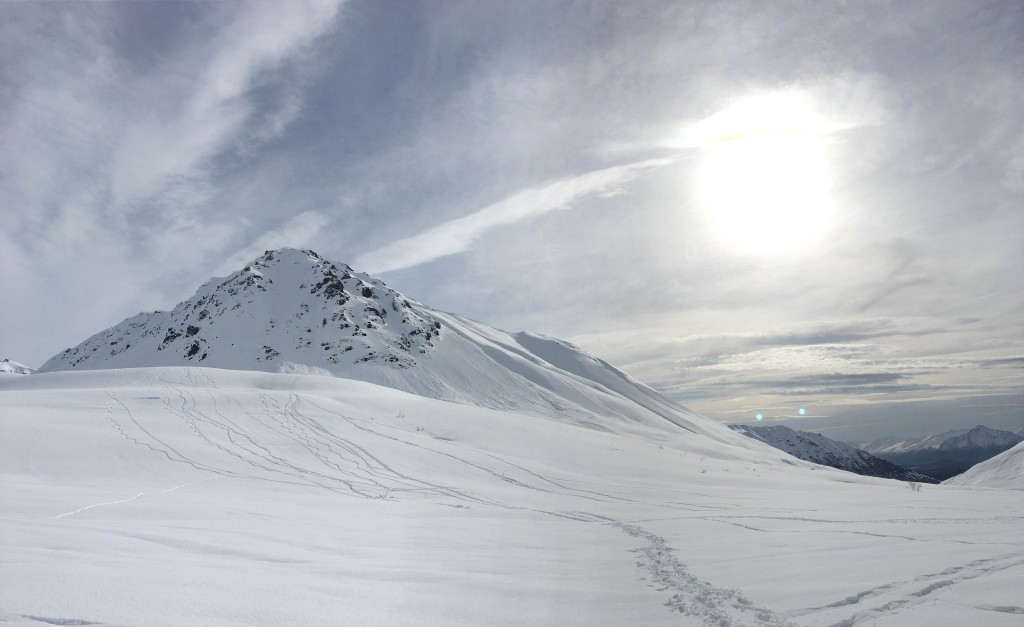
195 496
465 477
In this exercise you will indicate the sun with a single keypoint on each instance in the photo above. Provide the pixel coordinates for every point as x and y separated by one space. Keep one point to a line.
763 182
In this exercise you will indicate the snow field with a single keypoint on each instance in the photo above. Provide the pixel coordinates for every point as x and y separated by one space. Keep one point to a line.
169 496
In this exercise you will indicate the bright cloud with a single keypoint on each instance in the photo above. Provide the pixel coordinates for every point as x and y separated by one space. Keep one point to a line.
162 151
296 233
146 146
459 235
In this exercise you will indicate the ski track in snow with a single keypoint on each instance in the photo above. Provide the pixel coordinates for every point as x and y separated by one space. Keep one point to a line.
49 620
57 621
339 464
899 596
130 499
286 444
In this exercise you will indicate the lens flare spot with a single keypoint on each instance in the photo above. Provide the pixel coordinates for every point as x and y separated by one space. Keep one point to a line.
760 416
802 411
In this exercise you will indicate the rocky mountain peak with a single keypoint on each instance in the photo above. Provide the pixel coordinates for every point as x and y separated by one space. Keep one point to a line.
299 306
8 366
979 437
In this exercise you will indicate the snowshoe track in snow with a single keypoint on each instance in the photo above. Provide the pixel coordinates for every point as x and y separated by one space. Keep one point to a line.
285 443
690 596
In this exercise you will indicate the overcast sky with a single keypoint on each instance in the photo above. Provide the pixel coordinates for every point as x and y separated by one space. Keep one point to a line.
754 207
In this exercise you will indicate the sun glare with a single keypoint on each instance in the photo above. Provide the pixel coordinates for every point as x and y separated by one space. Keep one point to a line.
763 180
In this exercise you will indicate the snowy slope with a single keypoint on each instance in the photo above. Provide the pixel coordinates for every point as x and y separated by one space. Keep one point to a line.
1005 470
314 448
197 496
946 454
12 367
293 311
816 448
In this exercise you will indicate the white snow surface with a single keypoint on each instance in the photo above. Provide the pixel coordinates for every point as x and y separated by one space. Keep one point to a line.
202 496
299 444
293 311
1005 470
8 366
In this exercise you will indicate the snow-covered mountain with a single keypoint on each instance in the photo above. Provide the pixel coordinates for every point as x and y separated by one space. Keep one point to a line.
978 437
294 311
945 455
816 448
12 367
190 467
1005 470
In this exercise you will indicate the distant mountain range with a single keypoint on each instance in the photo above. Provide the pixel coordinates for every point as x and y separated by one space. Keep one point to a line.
816 448
945 455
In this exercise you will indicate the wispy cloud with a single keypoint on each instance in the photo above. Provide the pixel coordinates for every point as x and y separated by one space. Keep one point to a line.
459 235
144 146
296 233
874 361
169 150
111 152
